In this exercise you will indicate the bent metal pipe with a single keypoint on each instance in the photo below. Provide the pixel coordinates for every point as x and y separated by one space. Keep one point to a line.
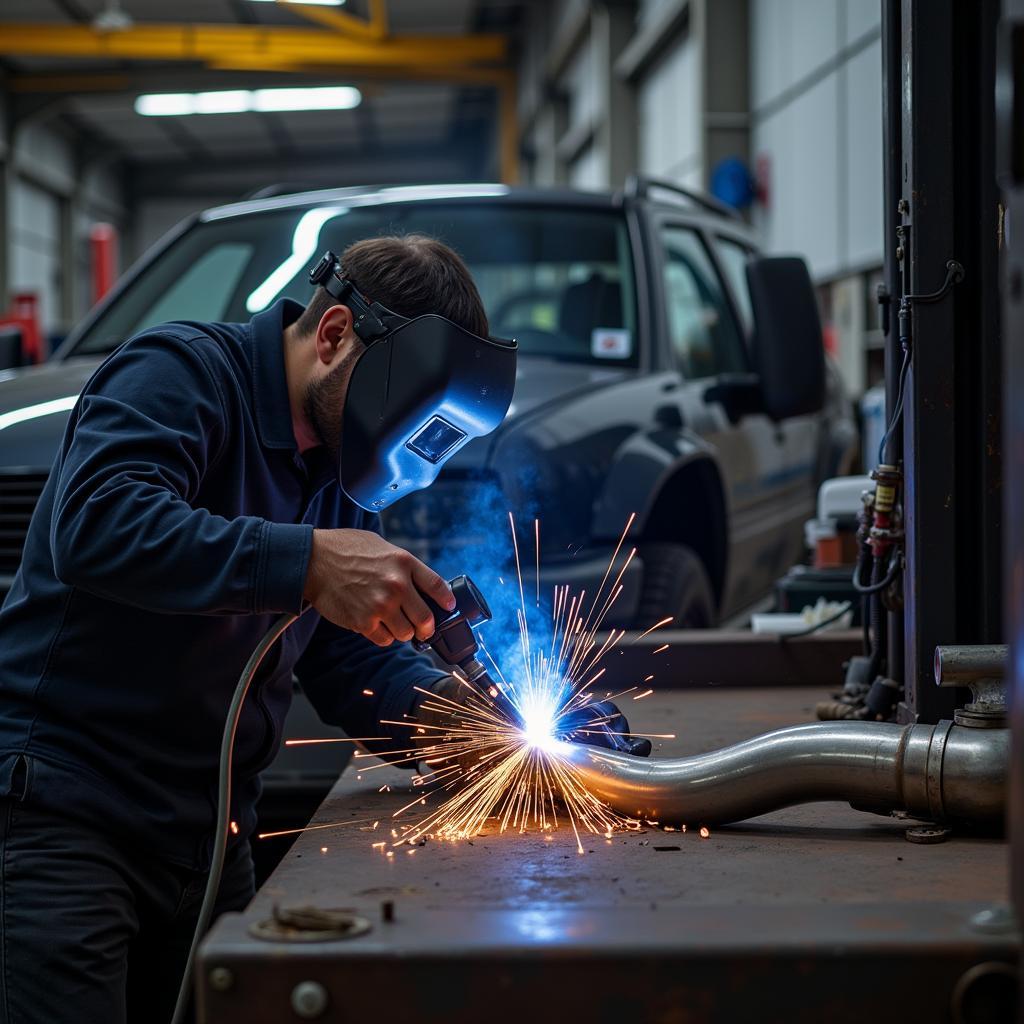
943 772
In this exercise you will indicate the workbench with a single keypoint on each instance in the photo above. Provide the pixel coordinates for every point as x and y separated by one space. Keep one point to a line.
810 914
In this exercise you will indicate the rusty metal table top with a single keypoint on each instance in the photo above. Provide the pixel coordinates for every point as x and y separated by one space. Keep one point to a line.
816 877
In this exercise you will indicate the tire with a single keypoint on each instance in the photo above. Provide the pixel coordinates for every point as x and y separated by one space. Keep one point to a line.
675 583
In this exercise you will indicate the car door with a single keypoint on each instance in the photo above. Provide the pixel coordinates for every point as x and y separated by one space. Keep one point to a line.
799 438
705 341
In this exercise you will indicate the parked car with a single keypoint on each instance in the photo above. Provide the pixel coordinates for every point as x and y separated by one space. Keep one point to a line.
636 393
656 377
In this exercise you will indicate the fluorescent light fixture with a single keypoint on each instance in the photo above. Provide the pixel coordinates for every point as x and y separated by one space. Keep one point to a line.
165 104
305 240
239 101
32 412
229 101
328 97
311 3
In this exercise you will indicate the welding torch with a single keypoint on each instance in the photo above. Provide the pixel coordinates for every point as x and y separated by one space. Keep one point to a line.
454 642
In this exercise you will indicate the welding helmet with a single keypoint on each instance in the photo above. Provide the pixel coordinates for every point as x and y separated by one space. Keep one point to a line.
419 391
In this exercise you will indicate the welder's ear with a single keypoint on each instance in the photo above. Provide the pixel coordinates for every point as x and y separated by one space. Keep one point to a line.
334 333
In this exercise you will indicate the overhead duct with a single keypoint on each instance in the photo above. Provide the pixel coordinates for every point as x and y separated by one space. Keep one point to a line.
942 773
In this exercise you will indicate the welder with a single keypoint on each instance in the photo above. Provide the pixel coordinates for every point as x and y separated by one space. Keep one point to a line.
212 477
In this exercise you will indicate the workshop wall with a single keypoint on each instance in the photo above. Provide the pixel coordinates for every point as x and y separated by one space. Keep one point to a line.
816 107
52 199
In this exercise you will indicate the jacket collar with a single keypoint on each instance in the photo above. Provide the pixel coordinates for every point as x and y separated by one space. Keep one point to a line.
270 385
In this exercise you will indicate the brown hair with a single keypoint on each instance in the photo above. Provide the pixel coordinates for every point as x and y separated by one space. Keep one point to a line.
409 274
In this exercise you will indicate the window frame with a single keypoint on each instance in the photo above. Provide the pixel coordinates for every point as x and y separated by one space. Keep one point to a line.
702 234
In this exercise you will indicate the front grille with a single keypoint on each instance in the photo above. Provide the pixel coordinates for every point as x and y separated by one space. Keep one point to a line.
19 493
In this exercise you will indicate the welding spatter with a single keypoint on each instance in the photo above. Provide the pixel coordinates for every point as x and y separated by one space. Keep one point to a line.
599 723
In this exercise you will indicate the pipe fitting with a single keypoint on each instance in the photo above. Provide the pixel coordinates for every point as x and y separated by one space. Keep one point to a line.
943 772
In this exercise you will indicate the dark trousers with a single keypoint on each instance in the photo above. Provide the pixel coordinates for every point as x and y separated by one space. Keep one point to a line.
91 931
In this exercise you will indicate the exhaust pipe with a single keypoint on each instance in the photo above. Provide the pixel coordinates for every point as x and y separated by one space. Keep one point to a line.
944 773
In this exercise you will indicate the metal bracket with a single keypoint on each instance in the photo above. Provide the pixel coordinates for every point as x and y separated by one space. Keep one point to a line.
954 275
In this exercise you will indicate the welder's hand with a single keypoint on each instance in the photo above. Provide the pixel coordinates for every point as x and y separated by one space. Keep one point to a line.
602 724
361 582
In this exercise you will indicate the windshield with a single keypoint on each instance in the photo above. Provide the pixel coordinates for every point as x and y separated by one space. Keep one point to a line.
558 280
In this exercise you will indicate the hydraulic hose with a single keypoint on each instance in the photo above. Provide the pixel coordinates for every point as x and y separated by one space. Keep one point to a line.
939 772
220 836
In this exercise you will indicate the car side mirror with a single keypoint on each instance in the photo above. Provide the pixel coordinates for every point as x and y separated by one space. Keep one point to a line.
789 354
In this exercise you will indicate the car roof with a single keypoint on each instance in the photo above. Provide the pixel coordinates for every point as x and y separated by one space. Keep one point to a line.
381 195
691 205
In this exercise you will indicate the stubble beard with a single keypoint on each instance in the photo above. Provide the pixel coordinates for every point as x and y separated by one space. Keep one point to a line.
323 404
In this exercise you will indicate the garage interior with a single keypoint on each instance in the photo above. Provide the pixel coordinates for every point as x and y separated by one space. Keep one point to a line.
805 477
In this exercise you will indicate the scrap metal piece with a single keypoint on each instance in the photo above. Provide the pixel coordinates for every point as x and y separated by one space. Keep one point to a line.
927 835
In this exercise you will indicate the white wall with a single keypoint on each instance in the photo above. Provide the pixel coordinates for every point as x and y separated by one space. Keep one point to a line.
816 100
155 217
669 116
45 184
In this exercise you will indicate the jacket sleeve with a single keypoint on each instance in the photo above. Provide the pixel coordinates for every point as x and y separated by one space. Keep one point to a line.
361 688
149 426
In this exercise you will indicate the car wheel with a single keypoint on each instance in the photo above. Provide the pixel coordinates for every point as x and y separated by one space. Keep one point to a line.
675 583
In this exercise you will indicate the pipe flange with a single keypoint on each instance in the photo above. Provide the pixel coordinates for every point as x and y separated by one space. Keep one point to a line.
936 752
977 716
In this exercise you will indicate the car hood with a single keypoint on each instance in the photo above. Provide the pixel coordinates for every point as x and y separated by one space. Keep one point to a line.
539 383
34 406
35 403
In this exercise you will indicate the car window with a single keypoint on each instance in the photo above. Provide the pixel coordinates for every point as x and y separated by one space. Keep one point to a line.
560 280
733 257
203 290
702 331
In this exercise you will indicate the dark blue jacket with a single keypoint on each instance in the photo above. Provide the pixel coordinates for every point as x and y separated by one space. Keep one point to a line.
175 527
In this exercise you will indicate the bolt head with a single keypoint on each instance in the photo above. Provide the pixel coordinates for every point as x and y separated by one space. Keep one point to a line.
221 979
309 1000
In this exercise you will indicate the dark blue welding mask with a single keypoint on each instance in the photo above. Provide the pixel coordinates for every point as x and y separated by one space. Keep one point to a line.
419 391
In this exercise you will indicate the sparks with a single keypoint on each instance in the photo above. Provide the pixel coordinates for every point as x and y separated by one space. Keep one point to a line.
488 768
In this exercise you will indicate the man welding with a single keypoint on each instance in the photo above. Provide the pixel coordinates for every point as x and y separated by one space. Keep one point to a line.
195 498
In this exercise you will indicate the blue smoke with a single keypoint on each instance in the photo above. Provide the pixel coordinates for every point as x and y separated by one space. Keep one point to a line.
486 554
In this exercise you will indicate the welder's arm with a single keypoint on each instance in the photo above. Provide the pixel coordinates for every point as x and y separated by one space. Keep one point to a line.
147 429
358 686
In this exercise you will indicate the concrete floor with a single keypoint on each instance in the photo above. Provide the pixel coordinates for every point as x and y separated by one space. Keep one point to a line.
797 903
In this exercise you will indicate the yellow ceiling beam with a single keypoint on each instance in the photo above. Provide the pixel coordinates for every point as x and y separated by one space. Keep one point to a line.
341 21
212 44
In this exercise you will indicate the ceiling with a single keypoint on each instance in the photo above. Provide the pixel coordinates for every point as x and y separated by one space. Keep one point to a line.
403 130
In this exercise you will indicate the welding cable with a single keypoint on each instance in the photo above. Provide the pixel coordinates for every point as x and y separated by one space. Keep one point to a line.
897 412
877 586
220 836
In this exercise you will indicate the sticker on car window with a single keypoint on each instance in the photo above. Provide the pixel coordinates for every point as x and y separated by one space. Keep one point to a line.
610 343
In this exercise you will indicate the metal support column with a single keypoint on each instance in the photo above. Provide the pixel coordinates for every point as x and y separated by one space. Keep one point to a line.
1010 167
948 210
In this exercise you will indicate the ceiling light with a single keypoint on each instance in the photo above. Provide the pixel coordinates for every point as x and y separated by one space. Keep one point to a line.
112 18
337 97
165 104
238 101
226 101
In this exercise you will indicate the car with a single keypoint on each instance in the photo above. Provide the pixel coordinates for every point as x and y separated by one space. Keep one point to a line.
658 384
